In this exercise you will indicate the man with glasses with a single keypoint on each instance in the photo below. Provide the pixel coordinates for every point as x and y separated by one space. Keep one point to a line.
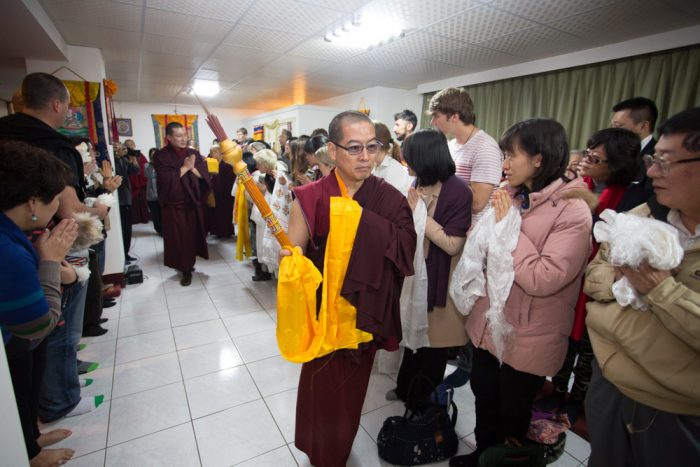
643 402
332 388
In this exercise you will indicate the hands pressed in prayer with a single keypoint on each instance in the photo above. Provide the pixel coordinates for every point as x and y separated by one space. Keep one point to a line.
644 278
412 197
502 202
189 162
106 169
112 183
53 245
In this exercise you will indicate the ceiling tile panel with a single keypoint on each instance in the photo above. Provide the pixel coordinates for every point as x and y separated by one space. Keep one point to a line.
479 24
289 16
421 45
121 55
380 59
245 35
172 60
166 23
431 68
685 6
474 56
346 6
536 42
545 11
164 71
295 65
316 47
619 22
176 46
97 12
225 10
89 35
416 13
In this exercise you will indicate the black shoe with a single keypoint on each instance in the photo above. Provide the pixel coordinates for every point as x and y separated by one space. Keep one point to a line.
130 258
262 276
108 304
93 330
103 320
109 300
467 460
186 279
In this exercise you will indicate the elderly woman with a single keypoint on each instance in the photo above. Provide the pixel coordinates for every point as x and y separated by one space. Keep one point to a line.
448 200
30 279
611 164
273 182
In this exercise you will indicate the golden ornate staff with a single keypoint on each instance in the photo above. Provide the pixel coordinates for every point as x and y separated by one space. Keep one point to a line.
240 168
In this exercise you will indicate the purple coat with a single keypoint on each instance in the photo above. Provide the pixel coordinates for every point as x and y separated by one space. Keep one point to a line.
549 261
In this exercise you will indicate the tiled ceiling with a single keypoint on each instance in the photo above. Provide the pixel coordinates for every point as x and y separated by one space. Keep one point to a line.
270 53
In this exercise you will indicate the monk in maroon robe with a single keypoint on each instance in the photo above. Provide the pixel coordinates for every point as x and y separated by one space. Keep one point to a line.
220 221
138 182
183 183
332 388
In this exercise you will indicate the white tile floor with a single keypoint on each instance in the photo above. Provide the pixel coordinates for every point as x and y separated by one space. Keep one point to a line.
193 377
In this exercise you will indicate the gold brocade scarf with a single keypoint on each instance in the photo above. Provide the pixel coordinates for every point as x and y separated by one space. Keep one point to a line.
301 335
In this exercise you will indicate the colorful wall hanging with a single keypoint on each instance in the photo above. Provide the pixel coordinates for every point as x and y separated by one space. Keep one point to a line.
85 115
258 133
160 121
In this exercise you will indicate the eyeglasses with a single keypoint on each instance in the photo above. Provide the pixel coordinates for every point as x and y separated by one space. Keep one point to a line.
593 157
664 165
356 149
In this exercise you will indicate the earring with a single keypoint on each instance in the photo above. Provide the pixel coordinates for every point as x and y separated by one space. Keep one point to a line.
34 218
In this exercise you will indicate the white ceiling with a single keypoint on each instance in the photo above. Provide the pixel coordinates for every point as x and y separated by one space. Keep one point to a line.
270 53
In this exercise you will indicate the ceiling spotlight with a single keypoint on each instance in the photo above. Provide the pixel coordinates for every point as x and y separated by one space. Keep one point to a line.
205 88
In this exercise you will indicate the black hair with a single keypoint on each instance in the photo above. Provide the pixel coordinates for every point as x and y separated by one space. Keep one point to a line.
640 109
286 132
171 127
242 130
542 136
315 143
40 89
319 131
427 154
407 115
335 129
27 171
622 148
687 123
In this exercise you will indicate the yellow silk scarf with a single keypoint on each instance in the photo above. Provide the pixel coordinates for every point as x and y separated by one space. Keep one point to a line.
213 168
301 335
240 217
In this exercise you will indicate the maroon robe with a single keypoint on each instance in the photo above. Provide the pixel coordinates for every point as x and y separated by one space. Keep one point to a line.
139 205
184 233
332 388
220 217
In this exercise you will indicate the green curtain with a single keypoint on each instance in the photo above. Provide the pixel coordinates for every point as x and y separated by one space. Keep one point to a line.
581 98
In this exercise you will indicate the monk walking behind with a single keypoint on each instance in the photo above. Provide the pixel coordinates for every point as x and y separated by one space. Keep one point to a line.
183 182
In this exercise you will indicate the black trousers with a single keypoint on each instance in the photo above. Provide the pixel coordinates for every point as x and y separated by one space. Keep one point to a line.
154 208
503 400
27 373
93 299
125 216
424 369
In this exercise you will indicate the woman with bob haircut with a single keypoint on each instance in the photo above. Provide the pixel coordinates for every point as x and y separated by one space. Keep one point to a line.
612 162
31 181
448 200
548 263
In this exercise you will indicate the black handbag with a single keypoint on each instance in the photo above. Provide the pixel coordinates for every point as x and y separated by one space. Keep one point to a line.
415 439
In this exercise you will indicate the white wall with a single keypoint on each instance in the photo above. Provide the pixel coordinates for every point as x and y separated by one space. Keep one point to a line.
305 118
383 102
144 136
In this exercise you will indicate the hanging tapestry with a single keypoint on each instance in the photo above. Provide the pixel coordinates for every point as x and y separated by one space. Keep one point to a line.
85 115
160 121
258 133
110 88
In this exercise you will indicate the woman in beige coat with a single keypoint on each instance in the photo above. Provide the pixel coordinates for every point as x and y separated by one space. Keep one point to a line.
448 200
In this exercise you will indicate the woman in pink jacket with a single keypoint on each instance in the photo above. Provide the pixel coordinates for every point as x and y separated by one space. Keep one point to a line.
548 261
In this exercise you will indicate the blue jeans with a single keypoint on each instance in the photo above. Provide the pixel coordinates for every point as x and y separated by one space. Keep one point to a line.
61 389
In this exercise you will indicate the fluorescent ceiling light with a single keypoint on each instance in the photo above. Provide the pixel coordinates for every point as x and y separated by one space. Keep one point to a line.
373 30
205 87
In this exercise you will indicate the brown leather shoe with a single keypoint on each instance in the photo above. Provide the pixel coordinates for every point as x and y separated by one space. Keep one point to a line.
112 292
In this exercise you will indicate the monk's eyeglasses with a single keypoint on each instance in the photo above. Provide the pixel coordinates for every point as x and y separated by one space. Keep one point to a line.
356 149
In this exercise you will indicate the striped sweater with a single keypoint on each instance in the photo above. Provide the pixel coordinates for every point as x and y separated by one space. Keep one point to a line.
29 288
